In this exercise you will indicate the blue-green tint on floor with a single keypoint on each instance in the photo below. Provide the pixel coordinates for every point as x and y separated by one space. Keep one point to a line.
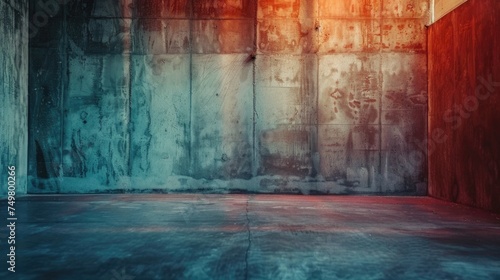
132 237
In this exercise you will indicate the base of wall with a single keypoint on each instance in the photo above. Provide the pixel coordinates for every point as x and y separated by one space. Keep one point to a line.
183 184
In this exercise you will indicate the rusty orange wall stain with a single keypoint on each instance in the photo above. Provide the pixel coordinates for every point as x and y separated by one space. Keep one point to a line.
350 9
223 9
279 8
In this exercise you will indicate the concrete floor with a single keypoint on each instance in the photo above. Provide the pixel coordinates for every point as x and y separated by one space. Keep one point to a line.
131 237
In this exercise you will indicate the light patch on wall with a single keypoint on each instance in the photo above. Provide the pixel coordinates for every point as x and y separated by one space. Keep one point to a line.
443 7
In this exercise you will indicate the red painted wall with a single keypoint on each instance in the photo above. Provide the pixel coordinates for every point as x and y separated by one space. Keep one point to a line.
464 105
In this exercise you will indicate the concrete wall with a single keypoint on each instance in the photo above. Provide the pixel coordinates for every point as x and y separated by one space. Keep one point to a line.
464 86
13 92
257 96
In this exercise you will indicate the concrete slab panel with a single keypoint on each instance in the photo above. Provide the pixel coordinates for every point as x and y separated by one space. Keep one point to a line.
95 140
100 8
84 76
407 133
287 9
14 95
395 138
286 150
46 108
99 36
406 9
48 35
349 89
347 35
405 35
162 9
404 159
109 36
279 70
286 114
349 155
159 36
405 149
228 9
284 36
49 9
404 81
160 117
222 117
286 90
352 137
96 143
349 9
284 106
94 75
223 36
406 119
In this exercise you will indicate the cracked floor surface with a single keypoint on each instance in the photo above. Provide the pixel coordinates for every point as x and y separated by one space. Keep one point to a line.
131 237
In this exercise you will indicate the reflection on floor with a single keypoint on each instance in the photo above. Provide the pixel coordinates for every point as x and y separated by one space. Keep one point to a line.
118 237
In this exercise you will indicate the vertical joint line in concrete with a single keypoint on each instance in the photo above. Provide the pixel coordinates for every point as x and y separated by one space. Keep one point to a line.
129 123
380 148
29 120
317 93
64 83
428 88
190 125
381 97
254 100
